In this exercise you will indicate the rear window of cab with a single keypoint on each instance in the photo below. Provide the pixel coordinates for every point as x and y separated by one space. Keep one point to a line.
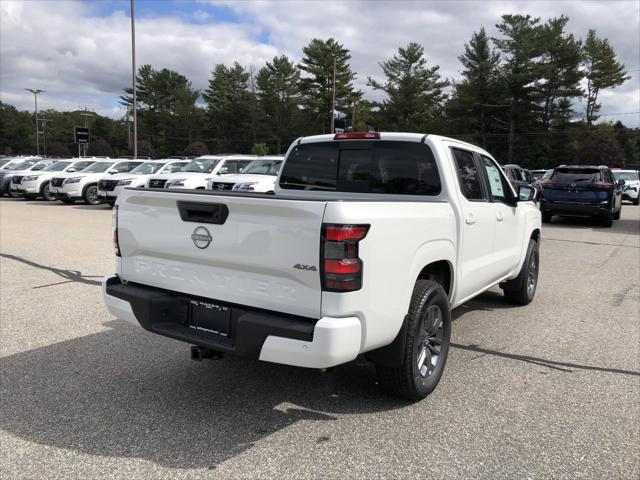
383 167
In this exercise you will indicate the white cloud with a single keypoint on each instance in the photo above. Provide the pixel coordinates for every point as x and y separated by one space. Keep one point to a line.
76 55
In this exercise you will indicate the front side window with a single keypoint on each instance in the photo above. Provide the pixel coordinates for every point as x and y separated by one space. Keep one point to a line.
468 175
233 166
174 167
147 168
124 167
498 185
78 166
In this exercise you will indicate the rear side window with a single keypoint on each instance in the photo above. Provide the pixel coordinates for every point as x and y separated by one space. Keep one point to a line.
575 175
385 167
468 175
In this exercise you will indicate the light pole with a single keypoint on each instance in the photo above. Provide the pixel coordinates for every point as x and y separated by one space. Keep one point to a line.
35 96
133 81
333 100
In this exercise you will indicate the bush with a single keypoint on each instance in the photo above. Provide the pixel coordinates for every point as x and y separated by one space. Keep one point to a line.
99 148
260 149
600 148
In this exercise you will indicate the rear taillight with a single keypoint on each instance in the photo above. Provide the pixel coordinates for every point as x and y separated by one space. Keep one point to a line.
357 136
341 267
114 230
601 185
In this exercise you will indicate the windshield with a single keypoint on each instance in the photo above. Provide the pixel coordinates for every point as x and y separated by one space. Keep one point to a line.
574 175
203 165
40 165
4 162
147 168
24 164
263 167
97 167
626 176
174 167
56 167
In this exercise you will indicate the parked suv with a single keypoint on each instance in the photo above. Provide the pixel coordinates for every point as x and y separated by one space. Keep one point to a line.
109 187
631 184
259 176
12 179
516 175
84 185
194 175
33 186
582 190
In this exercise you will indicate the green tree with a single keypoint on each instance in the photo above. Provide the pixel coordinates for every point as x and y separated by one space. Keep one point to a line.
620 132
167 111
521 46
478 96
558 68
229 108
602 71
100 148
260 149
278 94
196 149
599 147
318 62
414 91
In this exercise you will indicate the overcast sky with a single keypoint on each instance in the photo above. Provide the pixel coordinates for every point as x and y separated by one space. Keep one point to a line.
79 51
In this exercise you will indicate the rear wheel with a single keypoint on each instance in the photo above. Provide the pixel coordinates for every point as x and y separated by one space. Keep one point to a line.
46 192
522 289
636 201
91 195
427 344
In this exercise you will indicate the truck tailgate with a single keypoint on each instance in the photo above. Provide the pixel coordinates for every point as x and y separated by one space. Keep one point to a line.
247 258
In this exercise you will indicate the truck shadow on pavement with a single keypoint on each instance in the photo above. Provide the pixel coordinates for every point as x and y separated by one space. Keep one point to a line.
124 392
68 275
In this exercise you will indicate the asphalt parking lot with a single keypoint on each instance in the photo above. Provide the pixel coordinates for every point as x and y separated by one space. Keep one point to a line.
551 390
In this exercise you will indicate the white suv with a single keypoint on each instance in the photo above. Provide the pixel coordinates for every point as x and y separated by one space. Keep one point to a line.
259 176
33 186
13 179
84 184
197 172
631 185
109 187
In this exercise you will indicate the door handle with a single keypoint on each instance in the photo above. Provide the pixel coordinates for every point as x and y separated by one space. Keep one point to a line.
499 217
470 220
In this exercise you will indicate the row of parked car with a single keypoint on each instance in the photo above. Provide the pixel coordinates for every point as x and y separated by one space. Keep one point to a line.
97 180
595 191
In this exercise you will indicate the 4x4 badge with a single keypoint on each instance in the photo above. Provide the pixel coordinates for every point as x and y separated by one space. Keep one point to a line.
201 237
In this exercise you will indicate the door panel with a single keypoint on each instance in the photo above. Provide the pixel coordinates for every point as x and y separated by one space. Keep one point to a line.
477 269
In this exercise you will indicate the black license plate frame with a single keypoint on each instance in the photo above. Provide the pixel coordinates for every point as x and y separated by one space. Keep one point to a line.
210 317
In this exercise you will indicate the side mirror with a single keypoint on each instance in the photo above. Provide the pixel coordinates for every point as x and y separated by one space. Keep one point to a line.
526 193
223 170
71 170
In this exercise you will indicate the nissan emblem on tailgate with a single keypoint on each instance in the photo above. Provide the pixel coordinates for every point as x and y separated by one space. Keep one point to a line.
201 237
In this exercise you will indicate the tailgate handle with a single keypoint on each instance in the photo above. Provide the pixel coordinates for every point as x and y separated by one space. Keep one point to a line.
215 213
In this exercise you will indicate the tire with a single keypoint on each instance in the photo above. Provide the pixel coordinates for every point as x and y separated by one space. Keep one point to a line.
111 202
428 333
46 193
522 289
606 220
90 195
636 201
616 215
546 217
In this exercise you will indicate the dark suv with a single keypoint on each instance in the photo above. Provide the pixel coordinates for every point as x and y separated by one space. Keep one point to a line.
580 190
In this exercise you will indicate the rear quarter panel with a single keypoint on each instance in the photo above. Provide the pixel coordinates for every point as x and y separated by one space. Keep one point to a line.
402 239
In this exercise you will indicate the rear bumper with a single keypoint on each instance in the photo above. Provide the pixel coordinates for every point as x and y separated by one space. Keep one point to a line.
566 208
259 334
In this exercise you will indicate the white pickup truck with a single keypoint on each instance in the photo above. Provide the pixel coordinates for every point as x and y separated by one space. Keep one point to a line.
368 243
